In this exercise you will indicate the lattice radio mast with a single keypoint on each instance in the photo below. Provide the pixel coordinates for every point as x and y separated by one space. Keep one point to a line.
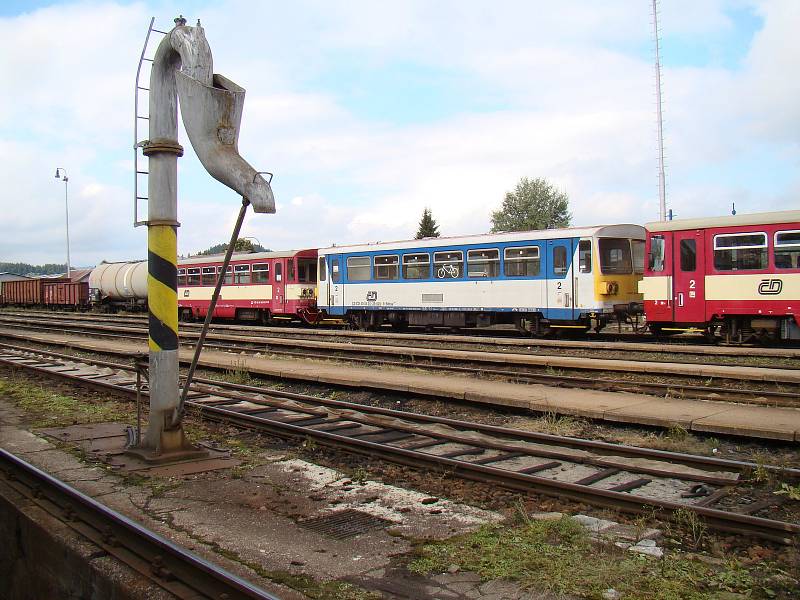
662 198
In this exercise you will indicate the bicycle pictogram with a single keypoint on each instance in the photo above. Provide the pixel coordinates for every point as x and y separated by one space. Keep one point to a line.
447 271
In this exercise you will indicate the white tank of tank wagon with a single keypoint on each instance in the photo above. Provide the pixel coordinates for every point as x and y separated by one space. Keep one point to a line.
120 281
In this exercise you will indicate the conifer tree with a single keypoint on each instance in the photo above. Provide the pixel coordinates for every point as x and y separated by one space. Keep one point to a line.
427 226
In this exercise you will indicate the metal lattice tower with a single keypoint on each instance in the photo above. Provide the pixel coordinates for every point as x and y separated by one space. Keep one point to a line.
662 197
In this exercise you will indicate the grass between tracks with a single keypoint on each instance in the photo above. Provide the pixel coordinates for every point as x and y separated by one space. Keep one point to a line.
558 556
47 407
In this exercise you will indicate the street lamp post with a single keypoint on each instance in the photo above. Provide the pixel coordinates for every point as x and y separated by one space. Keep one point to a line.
61 173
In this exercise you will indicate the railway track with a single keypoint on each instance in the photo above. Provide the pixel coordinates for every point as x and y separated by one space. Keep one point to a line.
627 478
766 386
178 571
501 339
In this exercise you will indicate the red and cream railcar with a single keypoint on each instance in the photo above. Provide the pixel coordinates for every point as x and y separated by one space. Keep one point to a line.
738 276
258 286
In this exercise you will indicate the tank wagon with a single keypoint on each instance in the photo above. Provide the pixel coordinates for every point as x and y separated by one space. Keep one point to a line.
119 286
733 276
258 287
540 281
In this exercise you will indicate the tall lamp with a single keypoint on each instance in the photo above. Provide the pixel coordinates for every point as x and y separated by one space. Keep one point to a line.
61 173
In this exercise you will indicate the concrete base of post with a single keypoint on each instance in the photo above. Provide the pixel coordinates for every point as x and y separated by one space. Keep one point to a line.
172 446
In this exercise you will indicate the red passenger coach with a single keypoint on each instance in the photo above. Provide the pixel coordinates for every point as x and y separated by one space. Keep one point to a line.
259 287
737 276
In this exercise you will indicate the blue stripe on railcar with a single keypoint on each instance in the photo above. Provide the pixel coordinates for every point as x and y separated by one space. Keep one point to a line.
501 247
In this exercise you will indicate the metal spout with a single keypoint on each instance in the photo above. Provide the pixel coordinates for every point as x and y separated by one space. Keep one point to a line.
212 115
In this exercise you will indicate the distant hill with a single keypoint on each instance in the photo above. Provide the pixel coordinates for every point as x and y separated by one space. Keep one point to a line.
32 270
242 245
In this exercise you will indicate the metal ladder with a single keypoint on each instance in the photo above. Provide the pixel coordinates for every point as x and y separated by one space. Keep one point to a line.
137 143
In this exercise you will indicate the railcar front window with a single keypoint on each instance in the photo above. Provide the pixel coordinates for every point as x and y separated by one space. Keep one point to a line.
585 256
483 263
521 262
615 256
637 250
416 266
740 252
241 273
448 265
194 277
358 268
387 268
787 250
306 270
336 274
261 273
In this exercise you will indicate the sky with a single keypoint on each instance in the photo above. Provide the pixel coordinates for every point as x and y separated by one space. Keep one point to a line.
369 111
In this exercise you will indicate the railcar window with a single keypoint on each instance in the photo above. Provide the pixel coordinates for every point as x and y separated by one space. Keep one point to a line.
637 250
336 275
306 270
787 250
656 259
358 268
387 267
521 262
241 273
261 273
559 260
448 265
740 251
323 269
688 255
483 263
290 270
585 256
181 276
209 276
416 266
193 277
615 256
228 275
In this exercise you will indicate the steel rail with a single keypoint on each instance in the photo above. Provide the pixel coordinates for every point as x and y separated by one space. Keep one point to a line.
654 345
706 462
393 352
170 566
725 520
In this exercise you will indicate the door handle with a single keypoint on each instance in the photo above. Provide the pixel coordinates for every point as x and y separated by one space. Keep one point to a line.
680 298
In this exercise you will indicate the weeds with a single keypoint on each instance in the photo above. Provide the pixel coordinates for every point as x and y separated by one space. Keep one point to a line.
790 491
360 475
693 524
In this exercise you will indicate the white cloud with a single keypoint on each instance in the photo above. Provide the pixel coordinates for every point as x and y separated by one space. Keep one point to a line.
572 85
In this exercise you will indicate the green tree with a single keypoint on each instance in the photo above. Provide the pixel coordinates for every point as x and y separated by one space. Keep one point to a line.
242 245
534 204
427 226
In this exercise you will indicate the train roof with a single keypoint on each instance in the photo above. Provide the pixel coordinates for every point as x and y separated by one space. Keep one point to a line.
767 218
625 230
238 256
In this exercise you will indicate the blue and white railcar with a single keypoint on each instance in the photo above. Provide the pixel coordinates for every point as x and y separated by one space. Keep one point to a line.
537 280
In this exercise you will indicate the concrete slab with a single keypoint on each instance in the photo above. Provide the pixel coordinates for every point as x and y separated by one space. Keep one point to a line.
753 421
666 412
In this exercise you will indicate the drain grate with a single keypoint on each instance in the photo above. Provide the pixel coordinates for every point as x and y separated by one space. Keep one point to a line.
345 524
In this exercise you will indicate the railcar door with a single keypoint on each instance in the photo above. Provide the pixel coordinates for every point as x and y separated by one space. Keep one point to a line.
278 286
335 285
560 296
688 277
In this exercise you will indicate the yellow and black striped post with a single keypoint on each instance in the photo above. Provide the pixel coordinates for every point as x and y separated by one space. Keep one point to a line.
162 287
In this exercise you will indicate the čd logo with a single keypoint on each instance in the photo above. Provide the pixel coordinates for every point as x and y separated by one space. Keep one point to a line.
770 287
